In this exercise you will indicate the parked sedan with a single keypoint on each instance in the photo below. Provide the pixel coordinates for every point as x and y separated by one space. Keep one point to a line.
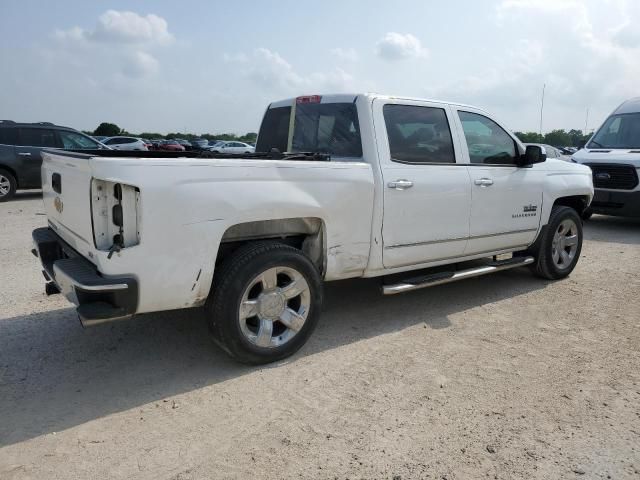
171 145
233 147
185 143
126 143
200 144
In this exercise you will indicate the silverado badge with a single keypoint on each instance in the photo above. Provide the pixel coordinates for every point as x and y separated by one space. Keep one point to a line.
58 204
527 211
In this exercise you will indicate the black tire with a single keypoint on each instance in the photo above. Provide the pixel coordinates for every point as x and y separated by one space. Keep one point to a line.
7 177
586 215
545 266
235 276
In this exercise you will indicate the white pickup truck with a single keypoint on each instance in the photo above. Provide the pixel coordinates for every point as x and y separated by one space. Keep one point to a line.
379 186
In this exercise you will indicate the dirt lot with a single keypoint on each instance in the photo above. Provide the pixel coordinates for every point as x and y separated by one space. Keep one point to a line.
504 376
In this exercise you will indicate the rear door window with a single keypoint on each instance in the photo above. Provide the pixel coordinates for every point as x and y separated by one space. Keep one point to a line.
8 136
418 134
331 128
37 137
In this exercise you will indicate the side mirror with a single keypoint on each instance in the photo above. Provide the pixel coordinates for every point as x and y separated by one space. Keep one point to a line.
582 144
533 154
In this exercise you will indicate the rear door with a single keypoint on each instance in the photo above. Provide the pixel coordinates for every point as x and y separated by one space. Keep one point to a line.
31 141
427 193
506 199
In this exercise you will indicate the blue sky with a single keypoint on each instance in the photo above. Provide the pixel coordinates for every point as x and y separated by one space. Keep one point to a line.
207 66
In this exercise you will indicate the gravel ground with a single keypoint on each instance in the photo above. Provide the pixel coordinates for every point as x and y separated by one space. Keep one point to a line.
504 376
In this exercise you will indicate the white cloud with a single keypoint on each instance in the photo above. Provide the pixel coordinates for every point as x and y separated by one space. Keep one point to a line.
627 36
273 73
577 48
135 37
140 64
345 54
398 46
122 27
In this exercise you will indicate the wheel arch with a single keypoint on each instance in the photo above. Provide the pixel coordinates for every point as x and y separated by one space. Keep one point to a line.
305 233
578 202
12 172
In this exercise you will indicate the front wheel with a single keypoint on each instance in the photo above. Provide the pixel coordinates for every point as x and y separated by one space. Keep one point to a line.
8 185
265 302
559 249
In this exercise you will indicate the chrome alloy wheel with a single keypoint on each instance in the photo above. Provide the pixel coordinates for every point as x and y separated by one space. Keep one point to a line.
5 185
565 244
274 307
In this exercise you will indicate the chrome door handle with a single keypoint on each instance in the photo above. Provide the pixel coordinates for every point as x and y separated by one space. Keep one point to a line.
24 154
400 184
483 182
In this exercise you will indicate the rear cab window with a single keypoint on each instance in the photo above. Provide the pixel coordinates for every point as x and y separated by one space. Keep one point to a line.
330 128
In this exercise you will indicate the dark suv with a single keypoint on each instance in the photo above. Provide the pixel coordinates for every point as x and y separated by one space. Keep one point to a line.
20 152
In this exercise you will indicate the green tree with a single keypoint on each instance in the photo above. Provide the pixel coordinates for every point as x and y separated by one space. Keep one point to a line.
529 137
249 137
577 137
557 138
108 129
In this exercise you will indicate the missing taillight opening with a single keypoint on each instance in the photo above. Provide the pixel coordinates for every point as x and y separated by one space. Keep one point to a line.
115 211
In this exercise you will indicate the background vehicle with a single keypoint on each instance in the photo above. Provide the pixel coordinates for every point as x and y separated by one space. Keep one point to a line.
185 143
20 151
613 154
232 147
200 144
126 143
171 145
387 186
552 152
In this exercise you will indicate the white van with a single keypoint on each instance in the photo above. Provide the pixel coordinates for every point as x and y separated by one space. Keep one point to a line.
613 153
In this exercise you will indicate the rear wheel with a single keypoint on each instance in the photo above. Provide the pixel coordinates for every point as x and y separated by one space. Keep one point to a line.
559 250
8 185
265 302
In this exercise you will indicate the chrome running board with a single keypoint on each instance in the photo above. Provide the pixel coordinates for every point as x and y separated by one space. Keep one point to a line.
448 277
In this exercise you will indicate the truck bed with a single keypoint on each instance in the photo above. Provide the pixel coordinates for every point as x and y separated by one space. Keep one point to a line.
308 156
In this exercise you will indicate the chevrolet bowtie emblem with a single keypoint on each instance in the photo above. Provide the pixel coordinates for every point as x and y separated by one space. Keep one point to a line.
58 204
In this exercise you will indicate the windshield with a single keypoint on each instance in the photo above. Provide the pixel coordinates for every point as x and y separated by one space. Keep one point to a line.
619 131
330 128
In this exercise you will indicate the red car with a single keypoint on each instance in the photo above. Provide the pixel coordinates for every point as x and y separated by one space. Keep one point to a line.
172 146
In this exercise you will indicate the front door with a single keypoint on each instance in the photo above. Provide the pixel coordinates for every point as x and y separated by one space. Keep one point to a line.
506 200
426 191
